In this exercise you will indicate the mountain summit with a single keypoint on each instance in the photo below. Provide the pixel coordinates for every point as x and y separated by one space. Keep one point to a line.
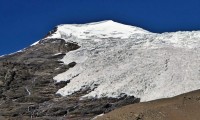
103 29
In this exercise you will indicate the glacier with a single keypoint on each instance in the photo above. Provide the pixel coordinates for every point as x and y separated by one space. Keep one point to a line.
116 60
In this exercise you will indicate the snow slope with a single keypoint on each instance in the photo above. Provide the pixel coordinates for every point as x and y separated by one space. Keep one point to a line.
116 60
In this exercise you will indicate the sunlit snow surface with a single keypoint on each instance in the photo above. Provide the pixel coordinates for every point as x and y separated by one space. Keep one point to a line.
116 59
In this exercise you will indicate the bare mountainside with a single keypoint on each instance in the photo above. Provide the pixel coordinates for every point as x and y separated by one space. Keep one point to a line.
182 107
79 71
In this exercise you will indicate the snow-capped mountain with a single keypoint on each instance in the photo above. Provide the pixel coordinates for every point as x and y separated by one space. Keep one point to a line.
79 71
116 60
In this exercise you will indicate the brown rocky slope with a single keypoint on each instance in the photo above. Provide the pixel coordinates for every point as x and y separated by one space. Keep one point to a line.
182 107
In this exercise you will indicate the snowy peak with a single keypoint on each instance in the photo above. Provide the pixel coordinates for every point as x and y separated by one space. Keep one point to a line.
116 59
103 29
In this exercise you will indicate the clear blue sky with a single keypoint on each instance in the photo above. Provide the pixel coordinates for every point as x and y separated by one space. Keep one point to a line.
23 22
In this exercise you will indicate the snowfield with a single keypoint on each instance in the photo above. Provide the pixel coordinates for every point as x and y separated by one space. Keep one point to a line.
116 60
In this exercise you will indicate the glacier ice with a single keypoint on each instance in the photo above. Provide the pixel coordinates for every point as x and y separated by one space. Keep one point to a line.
116 59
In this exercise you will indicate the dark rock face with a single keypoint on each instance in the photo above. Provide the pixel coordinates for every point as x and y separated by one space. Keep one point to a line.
27 88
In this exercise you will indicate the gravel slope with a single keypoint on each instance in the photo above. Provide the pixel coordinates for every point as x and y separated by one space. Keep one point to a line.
182 107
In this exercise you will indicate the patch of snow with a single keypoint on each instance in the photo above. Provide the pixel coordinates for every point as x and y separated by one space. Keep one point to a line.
35 43
116 59
57 54
97 116
20 50
2 55
13 53
29 93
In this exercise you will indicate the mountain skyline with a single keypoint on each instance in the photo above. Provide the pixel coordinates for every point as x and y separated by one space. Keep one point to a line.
99 59
22 23
86 70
